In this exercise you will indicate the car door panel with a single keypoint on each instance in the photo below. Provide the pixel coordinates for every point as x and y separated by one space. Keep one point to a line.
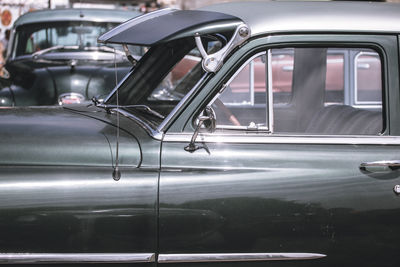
63 215
280 198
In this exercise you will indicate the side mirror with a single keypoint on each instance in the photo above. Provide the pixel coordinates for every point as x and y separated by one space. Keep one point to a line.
4 74
206 119
4 77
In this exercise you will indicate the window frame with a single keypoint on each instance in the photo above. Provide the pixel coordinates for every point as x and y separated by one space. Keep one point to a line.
269 125
364 104
182 125
269 87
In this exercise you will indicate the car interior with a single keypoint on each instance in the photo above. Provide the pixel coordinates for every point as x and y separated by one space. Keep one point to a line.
306 110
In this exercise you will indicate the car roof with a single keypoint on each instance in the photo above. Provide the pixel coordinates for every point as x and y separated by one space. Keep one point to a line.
282 16
261 18
81 14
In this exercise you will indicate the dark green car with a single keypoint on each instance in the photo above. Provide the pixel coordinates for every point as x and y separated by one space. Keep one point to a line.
250 134
54 58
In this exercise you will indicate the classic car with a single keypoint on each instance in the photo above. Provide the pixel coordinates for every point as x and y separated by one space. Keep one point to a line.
54 57
209 174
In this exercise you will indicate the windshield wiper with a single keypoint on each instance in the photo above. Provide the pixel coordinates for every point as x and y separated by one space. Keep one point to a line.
57 47
104 48
144 108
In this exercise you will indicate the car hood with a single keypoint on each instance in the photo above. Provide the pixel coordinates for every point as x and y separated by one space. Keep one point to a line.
59 137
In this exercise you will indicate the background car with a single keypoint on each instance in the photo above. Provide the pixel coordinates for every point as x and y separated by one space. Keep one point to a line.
54 58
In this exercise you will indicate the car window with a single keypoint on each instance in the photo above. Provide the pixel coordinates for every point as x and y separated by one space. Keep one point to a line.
32 38
310 91
168 89
368 85
245 93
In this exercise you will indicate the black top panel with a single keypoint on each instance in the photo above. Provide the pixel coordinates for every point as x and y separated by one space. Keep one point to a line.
168 24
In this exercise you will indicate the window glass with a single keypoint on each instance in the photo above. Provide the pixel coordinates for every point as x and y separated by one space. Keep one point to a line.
64 35
243 100
168 89
334 84
326 91
368 87
282 71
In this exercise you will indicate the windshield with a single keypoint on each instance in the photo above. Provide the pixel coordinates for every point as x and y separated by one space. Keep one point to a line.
162 78
37 37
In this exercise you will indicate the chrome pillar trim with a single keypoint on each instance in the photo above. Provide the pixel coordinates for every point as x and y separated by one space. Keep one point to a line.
266 138
60 258
270 95
236 257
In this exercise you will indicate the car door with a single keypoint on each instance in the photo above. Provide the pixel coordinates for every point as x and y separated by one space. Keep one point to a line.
59 203
296 180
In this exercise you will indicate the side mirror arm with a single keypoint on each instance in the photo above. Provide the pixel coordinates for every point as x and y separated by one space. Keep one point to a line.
209 115
192 145
213 62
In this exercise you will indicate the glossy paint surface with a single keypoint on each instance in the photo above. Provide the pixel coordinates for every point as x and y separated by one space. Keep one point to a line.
57 193
266 17
54 136
213 207
280 198
261 196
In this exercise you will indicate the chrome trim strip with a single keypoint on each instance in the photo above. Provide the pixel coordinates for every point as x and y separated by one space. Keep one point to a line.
252 84
56 258
270 95
236 257
265 138
155 134
356 101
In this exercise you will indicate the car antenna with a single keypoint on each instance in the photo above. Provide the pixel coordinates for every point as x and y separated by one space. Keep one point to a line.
116 174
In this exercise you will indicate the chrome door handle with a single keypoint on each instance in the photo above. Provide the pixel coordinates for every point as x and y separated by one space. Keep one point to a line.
380 166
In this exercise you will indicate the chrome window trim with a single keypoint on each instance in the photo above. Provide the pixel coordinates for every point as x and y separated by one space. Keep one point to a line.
60 258
265 138
236 257
247 62
270 95
376 107
251 82
237 73
155 134
356 101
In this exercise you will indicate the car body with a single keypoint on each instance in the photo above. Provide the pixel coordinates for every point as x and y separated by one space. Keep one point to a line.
192 172
54 58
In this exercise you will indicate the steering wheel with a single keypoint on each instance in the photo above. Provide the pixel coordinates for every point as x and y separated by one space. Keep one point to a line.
227 112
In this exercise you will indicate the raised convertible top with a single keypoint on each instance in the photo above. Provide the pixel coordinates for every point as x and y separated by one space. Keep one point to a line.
169 24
